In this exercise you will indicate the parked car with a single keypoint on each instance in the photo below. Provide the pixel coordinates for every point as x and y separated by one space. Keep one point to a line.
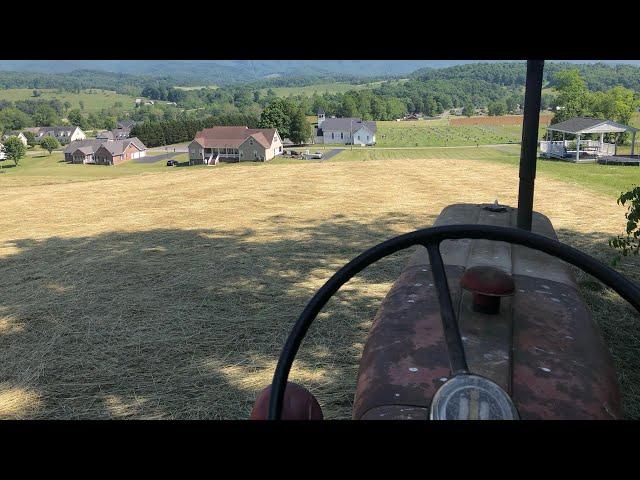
316 155
172 163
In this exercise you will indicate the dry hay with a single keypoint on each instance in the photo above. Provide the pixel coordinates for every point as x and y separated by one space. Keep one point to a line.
170 296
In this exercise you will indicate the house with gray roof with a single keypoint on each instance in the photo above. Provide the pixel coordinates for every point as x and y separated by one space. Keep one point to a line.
104 152
15 133
347 131
105 135
125 124
64 134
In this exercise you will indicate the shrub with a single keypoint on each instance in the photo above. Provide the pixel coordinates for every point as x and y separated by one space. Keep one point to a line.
630 242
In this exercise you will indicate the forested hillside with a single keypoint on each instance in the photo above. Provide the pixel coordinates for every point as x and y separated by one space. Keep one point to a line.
497 88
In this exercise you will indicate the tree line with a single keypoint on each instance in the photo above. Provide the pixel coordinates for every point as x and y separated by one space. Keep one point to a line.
282 114
574 99
157 133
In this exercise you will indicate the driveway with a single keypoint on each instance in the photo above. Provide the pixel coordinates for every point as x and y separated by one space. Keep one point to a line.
331 153
155 158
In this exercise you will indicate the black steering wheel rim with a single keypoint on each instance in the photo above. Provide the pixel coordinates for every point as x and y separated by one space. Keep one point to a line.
431 238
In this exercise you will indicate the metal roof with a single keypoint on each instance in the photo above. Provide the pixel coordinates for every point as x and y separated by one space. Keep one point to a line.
347 124
580 125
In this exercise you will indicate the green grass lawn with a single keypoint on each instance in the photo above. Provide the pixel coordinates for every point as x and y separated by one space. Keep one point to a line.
93 102
42 168
610 180
320 88
438 133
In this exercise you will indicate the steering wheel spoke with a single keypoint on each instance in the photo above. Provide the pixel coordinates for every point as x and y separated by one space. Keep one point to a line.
455 348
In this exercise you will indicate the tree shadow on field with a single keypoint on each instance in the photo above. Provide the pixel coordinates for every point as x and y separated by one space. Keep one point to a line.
189 323
182 323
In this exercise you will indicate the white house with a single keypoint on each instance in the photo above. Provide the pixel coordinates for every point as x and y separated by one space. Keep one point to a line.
346 130
64 134
2 154
16 133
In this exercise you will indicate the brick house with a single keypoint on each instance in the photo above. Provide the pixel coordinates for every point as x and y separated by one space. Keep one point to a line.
101 152
235 144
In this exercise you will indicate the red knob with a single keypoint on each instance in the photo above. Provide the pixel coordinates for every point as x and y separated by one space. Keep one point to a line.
298 404
488 285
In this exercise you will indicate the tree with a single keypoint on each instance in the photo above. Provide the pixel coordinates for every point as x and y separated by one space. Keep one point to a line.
300 128
49 143
36 93
348 108
76 118
14 149
512 103
31 138
109 122
497 108
276 115
45 116
14 119
81 103
468 110
630 242
573 97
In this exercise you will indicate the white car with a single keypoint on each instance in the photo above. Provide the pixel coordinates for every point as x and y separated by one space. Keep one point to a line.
316 155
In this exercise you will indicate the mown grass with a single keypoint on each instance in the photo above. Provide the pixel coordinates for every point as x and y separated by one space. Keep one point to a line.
94 99
42 168
610 180
170 295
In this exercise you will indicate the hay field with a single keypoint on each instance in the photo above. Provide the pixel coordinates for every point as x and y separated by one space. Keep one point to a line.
169 295
94 99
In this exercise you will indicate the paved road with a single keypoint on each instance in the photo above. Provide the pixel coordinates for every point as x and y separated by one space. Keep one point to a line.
155 158
331 153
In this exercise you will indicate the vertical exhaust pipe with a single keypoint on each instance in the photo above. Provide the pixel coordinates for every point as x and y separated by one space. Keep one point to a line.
529 146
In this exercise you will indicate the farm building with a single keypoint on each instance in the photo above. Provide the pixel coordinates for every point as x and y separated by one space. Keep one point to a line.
16 133
104 152
410 117
578 149
234 143
346 130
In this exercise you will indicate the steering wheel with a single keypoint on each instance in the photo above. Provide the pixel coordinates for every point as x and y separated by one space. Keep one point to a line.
431 238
